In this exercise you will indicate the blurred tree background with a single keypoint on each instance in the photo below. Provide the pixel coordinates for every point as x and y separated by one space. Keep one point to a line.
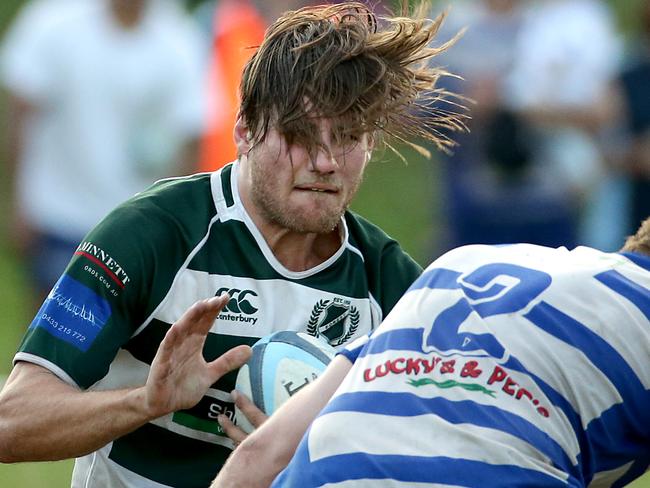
403 199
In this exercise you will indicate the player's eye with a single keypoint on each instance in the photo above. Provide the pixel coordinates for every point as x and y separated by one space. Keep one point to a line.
348 141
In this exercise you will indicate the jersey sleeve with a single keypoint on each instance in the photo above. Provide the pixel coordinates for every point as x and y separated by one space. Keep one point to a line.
352 350
111 285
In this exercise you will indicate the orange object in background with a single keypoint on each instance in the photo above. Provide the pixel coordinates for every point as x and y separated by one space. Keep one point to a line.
238 29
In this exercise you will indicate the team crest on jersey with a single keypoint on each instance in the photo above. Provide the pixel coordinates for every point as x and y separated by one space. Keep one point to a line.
337 320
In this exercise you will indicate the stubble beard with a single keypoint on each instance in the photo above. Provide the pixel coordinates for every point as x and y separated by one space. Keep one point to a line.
279 213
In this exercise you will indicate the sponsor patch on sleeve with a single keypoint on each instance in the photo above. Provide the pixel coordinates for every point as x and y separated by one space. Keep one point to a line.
73 312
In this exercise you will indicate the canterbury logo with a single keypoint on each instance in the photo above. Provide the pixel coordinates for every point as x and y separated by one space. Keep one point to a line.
239 303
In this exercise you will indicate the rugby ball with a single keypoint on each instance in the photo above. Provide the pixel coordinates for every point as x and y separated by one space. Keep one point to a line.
281 364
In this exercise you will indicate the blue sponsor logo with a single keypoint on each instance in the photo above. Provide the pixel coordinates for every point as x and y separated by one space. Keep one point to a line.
73 312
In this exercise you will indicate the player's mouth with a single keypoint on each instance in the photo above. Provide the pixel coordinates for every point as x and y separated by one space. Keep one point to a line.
317 188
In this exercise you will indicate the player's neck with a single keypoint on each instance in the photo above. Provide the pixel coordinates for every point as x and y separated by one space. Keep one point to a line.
296 250
127 17
302 251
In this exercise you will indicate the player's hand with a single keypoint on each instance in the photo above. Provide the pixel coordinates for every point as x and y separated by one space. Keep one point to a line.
179 376
254 415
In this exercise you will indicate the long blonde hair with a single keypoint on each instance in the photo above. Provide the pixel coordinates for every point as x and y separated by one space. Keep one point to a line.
370 74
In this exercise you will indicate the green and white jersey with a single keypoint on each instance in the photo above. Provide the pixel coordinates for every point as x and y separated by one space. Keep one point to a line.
139 270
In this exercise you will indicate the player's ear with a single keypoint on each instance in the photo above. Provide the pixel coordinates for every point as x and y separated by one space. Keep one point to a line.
242 135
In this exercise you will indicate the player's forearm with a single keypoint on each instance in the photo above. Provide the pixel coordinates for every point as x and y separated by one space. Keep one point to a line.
42 418
263 454
258 460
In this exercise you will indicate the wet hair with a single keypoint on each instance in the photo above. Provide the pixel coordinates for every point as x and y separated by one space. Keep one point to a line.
368 74
639 242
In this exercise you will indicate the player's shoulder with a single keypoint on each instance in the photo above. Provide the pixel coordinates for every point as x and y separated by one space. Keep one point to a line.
554 260
171 192
183 201
376 245
473 255
365 232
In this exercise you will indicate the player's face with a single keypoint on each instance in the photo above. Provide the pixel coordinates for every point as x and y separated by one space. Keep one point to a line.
302 193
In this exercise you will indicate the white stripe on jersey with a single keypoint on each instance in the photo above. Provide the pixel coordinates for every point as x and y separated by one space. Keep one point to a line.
422 435
167 424
268 317
586 310
558 428
354 348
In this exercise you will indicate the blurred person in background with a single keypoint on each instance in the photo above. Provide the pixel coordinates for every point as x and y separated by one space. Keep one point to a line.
634 86
531 169
494 189
106 96
566 59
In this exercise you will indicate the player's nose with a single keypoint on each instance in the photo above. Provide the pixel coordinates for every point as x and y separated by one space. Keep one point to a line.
323 161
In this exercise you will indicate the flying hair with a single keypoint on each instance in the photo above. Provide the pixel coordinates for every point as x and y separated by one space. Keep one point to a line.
369 74
640 241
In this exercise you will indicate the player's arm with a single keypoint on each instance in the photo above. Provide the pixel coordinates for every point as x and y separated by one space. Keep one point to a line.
263 454
18 110
44 418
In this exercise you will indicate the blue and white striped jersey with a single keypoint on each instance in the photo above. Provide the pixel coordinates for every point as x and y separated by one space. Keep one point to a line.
518 366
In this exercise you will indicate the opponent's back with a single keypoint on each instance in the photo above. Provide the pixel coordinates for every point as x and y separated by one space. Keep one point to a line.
502 366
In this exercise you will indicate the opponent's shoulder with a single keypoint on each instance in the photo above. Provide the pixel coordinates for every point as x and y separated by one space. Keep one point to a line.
470 256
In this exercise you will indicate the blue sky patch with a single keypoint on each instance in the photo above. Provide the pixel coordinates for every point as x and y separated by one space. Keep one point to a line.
73 312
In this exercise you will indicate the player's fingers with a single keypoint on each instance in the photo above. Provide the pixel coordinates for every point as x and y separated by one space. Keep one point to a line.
231 430
169 342
208 313
254 415
230 360
198 318
215 306
201 315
